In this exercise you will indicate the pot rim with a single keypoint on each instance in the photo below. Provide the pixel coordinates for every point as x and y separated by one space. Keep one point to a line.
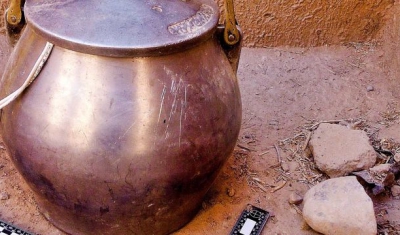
129 28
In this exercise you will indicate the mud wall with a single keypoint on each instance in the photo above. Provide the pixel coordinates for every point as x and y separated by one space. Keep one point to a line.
3 4
390 37
269 23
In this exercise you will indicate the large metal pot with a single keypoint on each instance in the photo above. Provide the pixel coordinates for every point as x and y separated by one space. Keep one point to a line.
132 117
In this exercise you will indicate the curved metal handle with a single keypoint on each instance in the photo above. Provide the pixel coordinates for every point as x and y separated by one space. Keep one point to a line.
231 32
14 13
14 19
230 36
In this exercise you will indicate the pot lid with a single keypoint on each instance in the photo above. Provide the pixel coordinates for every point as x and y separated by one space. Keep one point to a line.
124 27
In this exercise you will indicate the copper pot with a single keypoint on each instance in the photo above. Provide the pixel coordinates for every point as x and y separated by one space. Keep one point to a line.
132 117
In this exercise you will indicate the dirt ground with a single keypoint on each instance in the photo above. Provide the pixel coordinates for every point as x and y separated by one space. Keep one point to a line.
285 91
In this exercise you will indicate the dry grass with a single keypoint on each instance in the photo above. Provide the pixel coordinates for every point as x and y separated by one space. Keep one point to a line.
298 150
297 147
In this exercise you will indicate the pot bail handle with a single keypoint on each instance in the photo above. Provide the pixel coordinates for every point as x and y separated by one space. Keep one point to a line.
31 77
14 19
231 32
230 36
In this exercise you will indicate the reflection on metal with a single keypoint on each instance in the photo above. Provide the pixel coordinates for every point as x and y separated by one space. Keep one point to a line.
117 138
143 119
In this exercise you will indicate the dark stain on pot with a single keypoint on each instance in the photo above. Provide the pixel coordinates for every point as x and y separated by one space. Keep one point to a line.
111 193
79 207
104 210
189 186
46 183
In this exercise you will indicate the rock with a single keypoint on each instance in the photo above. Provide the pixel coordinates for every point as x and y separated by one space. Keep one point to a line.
4 196
378 189
370 88
340 206
397 157
295 198
338 150
395 190
380 169
367 180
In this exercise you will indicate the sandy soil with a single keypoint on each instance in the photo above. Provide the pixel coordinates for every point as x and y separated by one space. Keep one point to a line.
283 90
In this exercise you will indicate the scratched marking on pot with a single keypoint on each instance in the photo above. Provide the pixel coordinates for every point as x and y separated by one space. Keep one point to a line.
162 102
193 23
126 132
176 90
183 107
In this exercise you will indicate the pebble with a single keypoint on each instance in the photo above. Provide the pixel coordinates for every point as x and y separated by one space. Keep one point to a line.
285 167
397 157
395 190
4 196
231 192
295 198
370 88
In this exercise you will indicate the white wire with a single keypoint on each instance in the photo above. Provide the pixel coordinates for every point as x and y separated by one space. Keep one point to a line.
32 75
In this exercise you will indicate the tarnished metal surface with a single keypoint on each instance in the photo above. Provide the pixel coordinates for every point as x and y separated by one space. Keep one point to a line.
123 28
120 145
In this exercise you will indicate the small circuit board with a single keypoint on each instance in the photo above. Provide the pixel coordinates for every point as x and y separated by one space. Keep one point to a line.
251 221
8 229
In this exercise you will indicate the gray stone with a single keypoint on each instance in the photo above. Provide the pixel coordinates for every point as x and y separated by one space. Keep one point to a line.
338 150
340 206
